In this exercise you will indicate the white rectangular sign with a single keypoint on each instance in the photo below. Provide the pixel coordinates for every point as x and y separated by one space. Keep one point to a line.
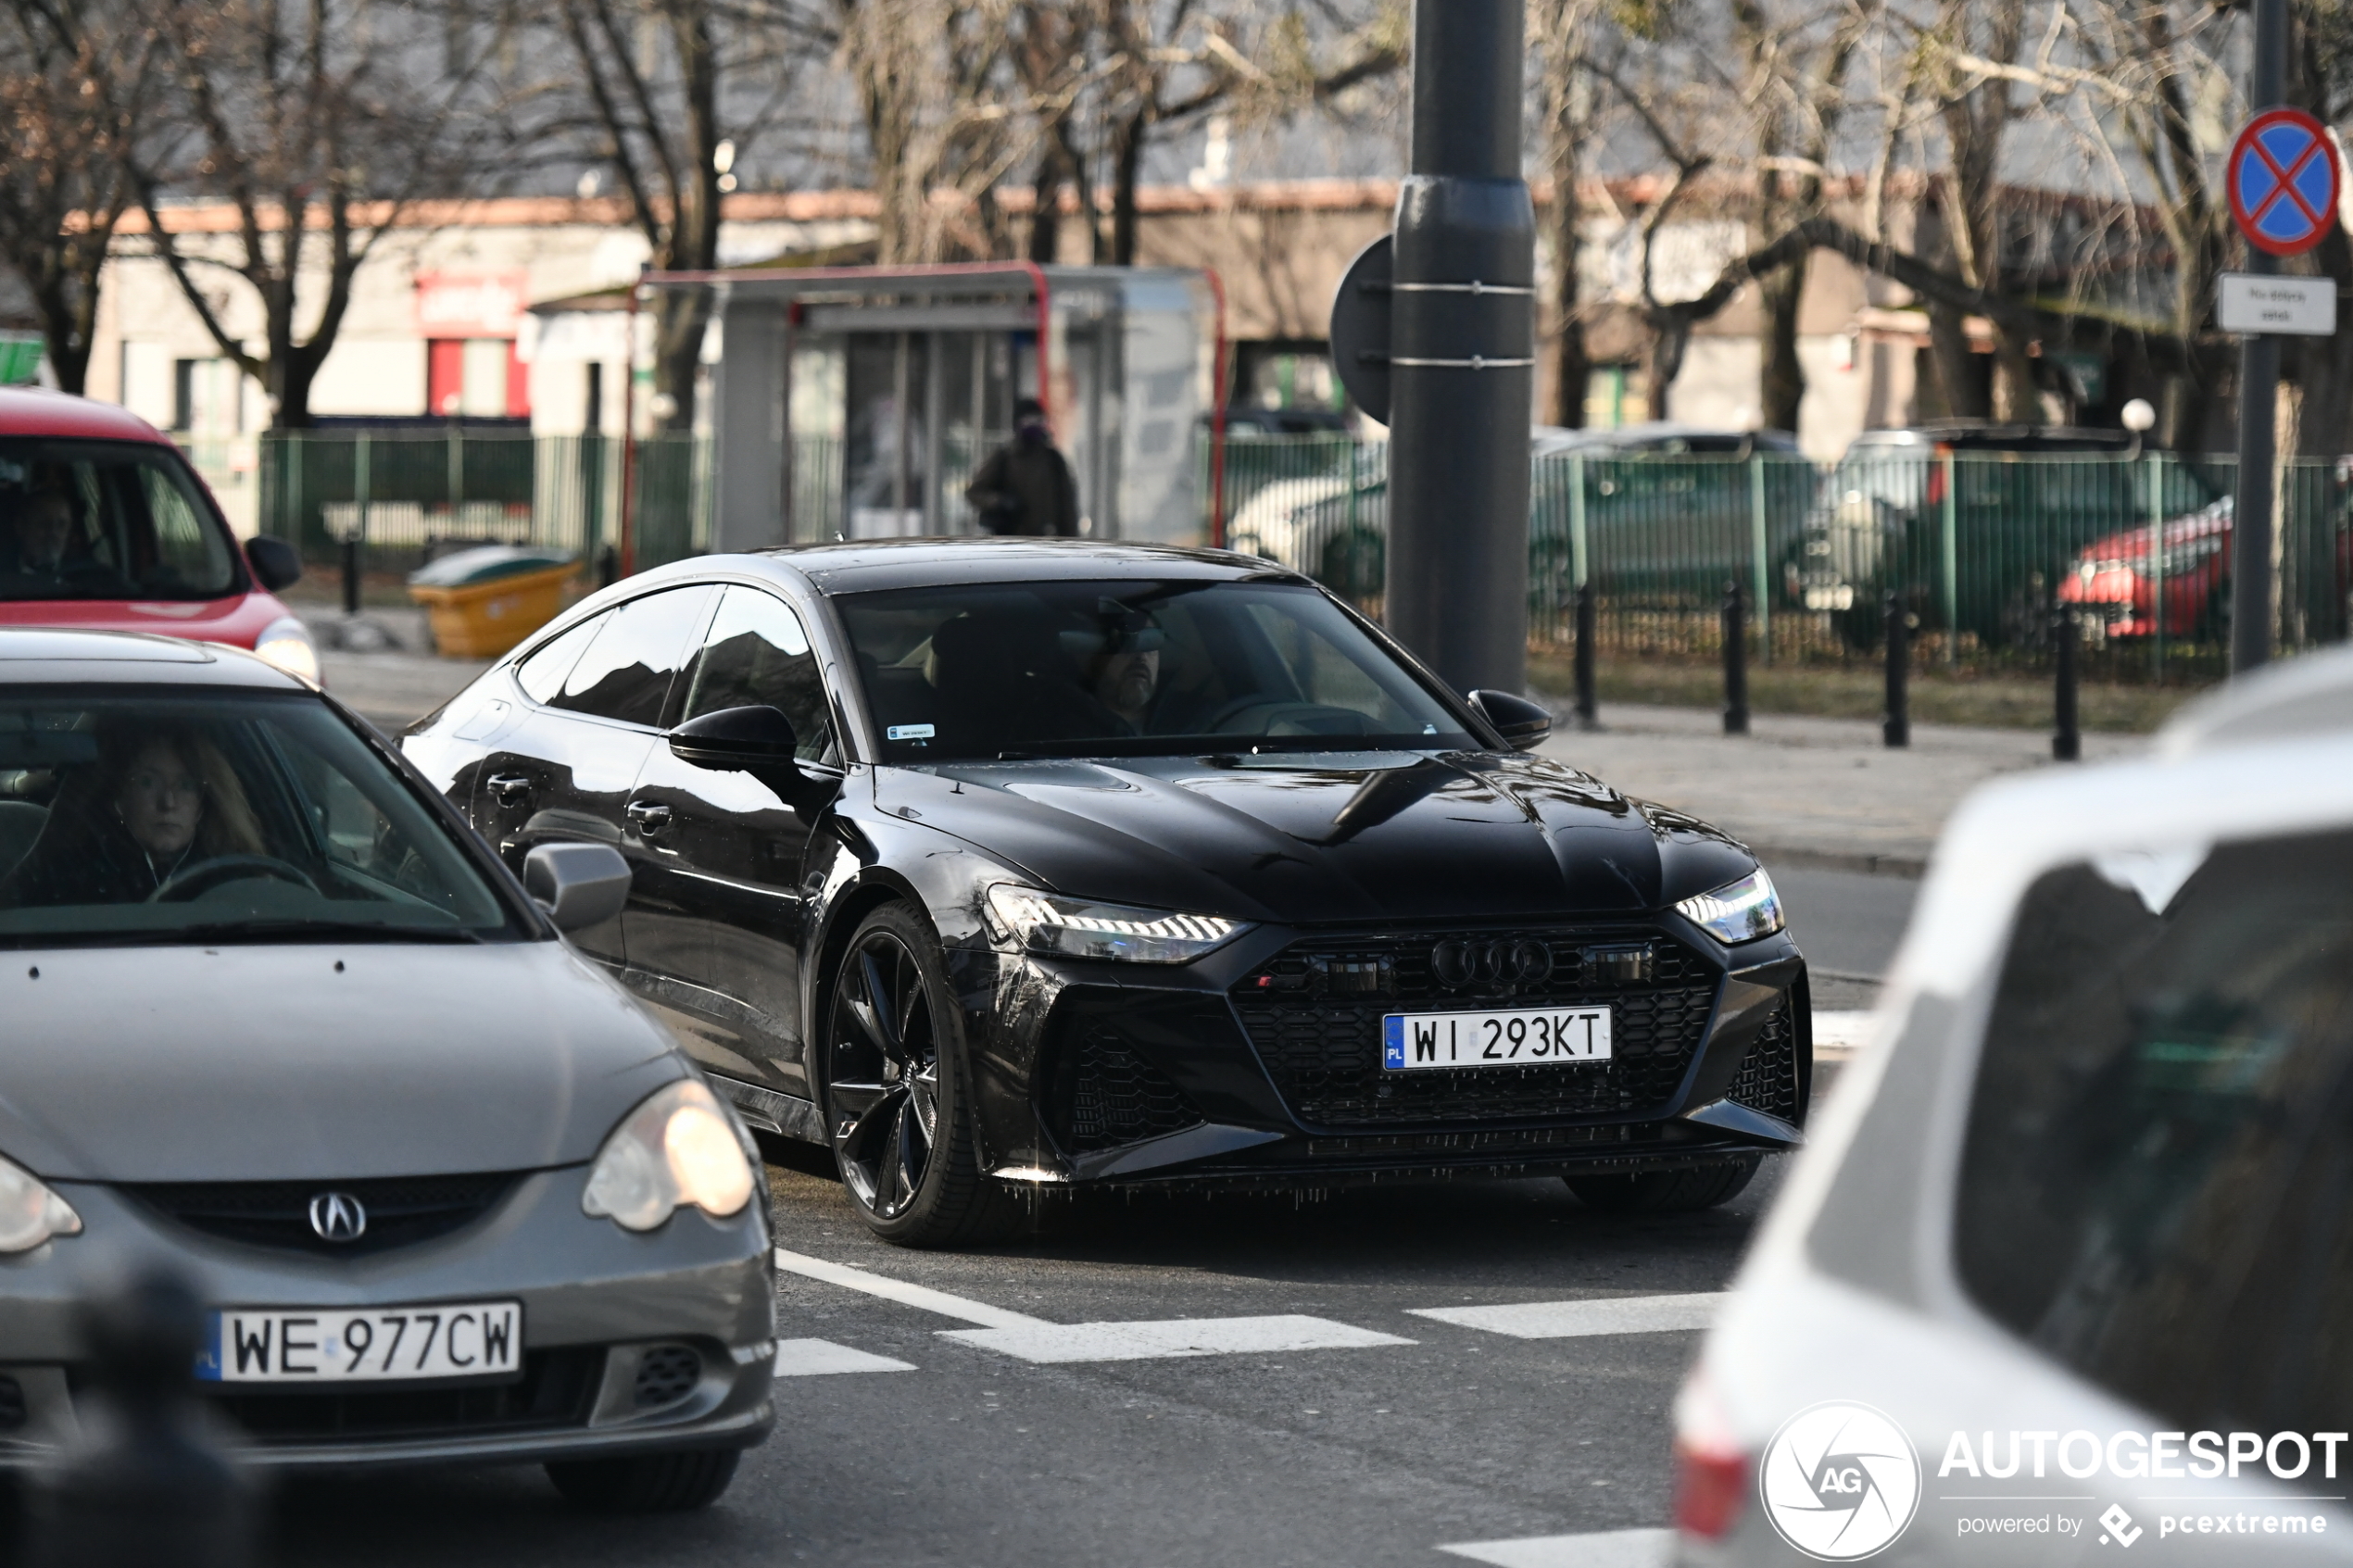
2297 306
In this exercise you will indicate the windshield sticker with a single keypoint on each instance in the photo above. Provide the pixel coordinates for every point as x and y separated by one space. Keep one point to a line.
909 732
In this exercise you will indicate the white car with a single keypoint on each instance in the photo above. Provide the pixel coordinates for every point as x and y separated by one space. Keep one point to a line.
2067 1271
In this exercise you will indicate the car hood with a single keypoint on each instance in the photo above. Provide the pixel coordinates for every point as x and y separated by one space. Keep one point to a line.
1325 837
292 1063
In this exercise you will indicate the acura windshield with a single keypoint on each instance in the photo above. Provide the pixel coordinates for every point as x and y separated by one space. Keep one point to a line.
228 817
1060 668
107 520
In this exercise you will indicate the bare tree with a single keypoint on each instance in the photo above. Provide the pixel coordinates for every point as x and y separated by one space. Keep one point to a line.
1566 32
79 94
321 123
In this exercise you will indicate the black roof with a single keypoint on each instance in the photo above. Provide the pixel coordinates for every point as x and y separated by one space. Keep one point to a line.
852 567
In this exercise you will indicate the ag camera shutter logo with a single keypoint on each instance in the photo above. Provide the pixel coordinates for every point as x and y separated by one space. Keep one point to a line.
1840 1481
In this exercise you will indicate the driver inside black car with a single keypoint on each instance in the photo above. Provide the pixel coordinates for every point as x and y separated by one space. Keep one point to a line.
159 800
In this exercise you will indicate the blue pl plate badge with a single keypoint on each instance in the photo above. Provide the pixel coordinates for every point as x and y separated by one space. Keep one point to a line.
908 731
209 1358
1393 1042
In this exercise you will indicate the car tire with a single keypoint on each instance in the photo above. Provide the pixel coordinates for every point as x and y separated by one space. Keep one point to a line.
897 1092
670 1483
1666 1192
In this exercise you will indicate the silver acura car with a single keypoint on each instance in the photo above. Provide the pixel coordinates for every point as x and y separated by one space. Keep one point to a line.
274 1013
2067 1269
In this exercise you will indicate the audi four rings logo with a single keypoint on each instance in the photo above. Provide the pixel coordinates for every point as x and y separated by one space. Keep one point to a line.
1462 960
1840 1481
338 1216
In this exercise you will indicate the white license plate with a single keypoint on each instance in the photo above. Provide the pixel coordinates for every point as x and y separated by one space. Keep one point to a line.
313 1345
1420 1042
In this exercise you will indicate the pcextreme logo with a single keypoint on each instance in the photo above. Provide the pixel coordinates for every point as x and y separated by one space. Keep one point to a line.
1840 1481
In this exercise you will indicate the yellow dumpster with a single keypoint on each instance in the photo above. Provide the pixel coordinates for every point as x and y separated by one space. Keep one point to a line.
481 602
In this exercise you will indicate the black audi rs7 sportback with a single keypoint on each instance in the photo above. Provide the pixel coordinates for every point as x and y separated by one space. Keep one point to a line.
1010 864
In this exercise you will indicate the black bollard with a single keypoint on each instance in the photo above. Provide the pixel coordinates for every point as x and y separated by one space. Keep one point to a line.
607 567
351 576
148 1483
2067 741
1897 729
1735 661
1588 709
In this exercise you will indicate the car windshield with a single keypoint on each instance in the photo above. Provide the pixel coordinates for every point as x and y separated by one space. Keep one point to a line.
107 520
253 817
2157 1186
1130 669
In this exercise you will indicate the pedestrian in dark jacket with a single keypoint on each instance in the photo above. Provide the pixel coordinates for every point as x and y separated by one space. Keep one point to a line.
1026 487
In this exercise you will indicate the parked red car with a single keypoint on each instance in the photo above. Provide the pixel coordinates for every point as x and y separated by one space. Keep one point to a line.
2111 577
104 526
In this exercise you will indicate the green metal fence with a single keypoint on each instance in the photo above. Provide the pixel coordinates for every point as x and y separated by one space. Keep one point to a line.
405 497
1985 552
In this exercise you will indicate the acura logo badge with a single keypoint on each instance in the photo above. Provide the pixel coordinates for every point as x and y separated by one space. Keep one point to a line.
337 1216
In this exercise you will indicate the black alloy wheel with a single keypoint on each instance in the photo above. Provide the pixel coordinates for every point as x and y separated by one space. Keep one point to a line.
893 1094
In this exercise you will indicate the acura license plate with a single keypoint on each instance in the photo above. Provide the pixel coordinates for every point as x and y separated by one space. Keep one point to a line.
313 1345
1416 1042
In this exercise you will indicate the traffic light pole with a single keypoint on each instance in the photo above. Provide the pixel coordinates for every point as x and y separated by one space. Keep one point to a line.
2251 526
1461 353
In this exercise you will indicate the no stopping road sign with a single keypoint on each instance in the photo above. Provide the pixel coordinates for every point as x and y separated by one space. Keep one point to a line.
2283 180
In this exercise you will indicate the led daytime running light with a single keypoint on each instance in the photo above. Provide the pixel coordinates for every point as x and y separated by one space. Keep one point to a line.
1738 911
1077 928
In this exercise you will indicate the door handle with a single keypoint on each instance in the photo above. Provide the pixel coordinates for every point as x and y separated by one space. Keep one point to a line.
649 816
512 789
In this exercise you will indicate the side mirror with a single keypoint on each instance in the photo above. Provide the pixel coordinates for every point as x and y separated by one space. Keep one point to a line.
578 884
758 740
1522 723
275 563
747 739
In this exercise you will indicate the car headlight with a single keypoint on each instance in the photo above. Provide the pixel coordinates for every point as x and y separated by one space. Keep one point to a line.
1738 911
285 643
1078 928
30 1212
677 1149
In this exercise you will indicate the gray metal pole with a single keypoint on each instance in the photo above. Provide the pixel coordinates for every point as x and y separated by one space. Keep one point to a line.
1463 344
2251 588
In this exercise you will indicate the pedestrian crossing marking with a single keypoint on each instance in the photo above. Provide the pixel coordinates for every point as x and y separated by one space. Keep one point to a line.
1573 1320
1607 1549
822 1358
1176 1336
904 1293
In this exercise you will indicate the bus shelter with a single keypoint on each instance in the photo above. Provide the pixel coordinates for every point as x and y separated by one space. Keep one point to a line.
856 403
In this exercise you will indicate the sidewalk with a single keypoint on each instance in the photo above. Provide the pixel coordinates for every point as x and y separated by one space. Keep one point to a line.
392 686
1802 791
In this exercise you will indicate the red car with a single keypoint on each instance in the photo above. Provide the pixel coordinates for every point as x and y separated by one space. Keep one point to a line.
104 527
2111 577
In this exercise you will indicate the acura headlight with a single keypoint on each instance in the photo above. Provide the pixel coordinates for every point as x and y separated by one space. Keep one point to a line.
30 1212
285 643
677 1149
1078 928
1738 911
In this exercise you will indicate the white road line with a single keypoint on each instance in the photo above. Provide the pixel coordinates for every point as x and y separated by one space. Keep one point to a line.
1609 1548
907 1295
822 1358
1177 1336
1571 1320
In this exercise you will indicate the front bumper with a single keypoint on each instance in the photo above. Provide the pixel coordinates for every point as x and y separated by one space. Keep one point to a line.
1193 1075
602 1309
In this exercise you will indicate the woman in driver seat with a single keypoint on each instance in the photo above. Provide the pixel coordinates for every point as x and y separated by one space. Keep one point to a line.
160 798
